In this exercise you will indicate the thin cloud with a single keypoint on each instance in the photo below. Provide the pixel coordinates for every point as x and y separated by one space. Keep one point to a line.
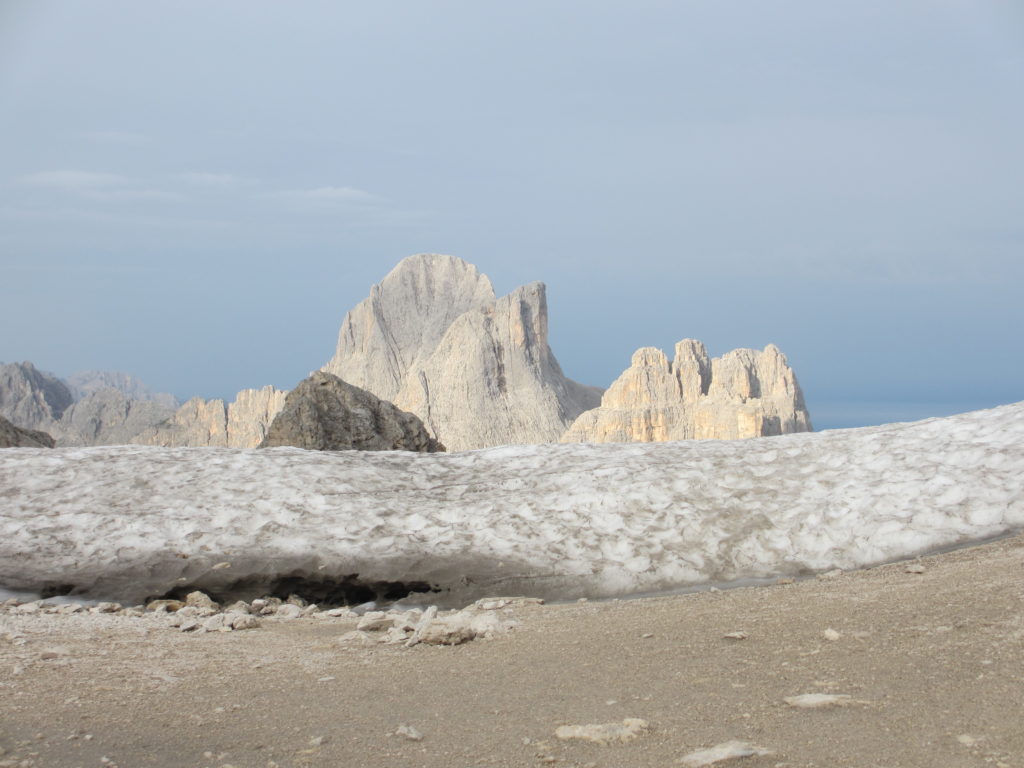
333 195
117 137
207 179
103 187
74 180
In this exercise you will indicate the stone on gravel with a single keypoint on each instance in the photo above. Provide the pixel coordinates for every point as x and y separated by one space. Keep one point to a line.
605 733
819 700
106 608
409 732
357 637
729 750
831 634
340 613
218 623
740 635
244 621
914 568
288 611
374 621
462 627
200 600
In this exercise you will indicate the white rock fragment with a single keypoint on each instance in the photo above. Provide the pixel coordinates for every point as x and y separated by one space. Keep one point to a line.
914 568
340 613
200 601
820 700
604 733
220 622
738 635
244 621
374 621
288 611
409 732
831 634
729 750
356 637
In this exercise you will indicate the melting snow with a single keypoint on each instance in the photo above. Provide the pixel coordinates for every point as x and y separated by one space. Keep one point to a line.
557 521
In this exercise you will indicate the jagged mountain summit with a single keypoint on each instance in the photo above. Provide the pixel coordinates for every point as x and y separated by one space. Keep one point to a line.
744 393
93 408
434 339
84 383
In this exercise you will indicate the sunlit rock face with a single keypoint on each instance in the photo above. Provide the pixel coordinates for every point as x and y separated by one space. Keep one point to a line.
433 339
744 393
554 521
242 423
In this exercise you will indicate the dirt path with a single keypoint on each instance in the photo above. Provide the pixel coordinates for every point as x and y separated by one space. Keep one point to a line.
933 664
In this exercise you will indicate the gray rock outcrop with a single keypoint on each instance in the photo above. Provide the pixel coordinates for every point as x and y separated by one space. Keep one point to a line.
242 423
30 398
16 437
324 413
433 339
744 393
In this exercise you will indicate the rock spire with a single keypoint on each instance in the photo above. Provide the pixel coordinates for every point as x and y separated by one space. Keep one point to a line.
434 339
744 393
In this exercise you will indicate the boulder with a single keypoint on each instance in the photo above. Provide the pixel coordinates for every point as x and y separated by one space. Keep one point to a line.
324 413
16 437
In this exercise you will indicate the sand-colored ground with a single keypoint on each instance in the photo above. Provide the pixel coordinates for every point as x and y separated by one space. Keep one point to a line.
933 663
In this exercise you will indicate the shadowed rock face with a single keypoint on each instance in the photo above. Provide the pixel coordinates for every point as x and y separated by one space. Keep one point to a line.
16 437
433 339
744 393
324 413
31 398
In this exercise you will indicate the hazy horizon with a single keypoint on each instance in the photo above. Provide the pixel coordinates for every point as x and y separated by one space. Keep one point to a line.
196 194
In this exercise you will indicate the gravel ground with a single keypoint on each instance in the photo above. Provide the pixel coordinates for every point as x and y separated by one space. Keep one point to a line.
932 663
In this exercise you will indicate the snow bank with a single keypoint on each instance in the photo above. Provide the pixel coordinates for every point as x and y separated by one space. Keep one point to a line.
550 520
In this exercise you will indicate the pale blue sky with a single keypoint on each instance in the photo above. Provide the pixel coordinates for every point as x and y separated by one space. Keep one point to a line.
197 192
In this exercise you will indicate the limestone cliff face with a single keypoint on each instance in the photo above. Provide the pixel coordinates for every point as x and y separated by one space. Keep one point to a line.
744 393
477 370
324 413
242 423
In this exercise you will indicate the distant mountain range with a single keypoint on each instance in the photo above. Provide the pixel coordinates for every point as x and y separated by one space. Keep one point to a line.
435 340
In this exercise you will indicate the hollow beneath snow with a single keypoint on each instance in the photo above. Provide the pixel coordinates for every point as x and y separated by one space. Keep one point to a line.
557 521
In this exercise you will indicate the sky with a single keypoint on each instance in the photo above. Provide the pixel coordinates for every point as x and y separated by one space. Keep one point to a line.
196 193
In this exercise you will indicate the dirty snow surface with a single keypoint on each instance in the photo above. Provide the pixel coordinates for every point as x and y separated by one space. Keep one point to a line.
558 521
